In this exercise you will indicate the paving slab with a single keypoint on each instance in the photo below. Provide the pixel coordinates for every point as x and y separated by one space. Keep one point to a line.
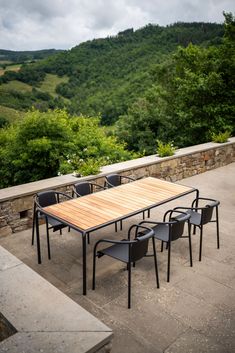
46 320
193 313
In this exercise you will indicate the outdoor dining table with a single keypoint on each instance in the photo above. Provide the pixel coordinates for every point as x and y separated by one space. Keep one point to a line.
94 211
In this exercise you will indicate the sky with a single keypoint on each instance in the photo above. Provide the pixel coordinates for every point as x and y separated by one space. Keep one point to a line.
62 24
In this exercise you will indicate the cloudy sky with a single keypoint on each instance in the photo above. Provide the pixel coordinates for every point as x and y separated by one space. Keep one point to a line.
62 24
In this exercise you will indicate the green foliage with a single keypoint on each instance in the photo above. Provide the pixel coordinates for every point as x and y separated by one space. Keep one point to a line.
43 145
3 121
92 148
165 149
22 56
107 75
32 148
192 95
221 137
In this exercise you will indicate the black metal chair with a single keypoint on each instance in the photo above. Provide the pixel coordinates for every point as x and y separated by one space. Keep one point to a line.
44 199
199 216
113 180
128 251
85 188
171 229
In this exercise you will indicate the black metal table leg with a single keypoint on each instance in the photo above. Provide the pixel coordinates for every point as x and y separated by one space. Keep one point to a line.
84 262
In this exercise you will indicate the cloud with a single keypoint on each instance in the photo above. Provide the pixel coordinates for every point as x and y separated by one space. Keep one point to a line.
39 24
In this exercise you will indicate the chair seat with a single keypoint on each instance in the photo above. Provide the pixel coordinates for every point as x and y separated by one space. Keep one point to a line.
117 251
195 217
56 225
161 232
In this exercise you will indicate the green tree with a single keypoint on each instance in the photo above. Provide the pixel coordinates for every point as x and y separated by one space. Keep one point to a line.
44 145
32 149
193 96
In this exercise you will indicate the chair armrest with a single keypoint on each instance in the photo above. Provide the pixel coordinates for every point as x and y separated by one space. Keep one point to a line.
76 193
108 184
98 186
127 177
63 194
125 241
170 212
154 222
216 202
137 226
189 208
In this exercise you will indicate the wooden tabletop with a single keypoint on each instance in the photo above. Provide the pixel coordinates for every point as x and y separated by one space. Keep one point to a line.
104 207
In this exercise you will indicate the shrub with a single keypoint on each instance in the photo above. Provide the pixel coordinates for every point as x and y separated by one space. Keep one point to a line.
165 149
220 137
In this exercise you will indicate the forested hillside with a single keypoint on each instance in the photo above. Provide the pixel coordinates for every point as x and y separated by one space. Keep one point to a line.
22 56
105 75
156 86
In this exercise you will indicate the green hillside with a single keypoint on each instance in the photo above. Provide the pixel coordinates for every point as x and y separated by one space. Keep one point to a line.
105 75
22 56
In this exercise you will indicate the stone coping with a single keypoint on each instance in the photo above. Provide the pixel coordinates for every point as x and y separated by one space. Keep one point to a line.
69 179
46 319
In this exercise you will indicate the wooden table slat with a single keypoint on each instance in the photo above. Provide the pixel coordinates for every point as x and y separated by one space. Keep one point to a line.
106 206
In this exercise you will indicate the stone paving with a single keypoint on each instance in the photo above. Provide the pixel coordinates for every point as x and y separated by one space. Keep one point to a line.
194 313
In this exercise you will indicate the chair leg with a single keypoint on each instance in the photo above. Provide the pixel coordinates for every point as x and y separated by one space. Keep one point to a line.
169 261
162 246
200 249
33 229
190 244
48 241
149 213
60 231
121 225
155 262
38 238
116 227
129 285
94 268
217 226
144 215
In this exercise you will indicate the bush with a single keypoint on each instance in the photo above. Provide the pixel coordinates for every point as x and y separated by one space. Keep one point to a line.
165 149
220 137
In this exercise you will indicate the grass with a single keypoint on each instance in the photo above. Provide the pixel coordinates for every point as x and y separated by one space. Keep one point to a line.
50 82
16 86
10 114
15 67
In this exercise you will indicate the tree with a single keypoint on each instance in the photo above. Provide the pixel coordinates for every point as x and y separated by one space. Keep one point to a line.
44 145
192 97
32 149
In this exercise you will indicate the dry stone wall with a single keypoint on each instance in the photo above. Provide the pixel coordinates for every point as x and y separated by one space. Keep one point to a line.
16 203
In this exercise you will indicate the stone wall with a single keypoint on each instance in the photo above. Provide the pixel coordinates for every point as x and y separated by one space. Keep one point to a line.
16 202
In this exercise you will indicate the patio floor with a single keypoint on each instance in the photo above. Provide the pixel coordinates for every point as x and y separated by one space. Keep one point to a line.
194 313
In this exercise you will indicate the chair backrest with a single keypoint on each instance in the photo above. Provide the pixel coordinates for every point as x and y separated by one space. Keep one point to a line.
177 227
47 198
207 212
113 179
139 247
83 188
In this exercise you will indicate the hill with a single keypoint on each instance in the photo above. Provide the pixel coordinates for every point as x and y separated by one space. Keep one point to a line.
22 56
105 75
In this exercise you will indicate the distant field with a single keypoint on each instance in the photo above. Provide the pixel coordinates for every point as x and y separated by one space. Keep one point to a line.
50 82
10 114
10 68
16 86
